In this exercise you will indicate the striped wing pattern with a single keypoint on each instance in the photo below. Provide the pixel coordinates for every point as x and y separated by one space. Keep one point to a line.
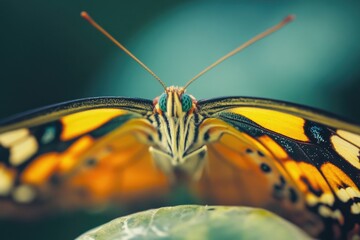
281 154
75 155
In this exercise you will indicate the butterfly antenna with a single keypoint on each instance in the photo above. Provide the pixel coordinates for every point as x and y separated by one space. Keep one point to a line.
87 17
241 47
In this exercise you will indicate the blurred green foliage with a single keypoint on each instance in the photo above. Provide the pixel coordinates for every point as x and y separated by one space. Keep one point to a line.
198 222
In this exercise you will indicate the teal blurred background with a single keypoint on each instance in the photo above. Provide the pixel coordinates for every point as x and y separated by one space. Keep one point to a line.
48 54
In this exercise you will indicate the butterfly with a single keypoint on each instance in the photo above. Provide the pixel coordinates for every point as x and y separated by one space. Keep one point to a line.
299 162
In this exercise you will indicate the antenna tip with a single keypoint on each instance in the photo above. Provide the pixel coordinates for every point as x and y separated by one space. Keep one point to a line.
85 15
289 18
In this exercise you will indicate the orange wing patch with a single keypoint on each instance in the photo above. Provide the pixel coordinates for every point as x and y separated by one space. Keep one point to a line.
40 169
340 182
306 176
279 122
273 147
121 172
239 172
82 122
117 166
44 166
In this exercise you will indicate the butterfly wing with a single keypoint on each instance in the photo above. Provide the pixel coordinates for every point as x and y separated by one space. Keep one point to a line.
77 154
296 161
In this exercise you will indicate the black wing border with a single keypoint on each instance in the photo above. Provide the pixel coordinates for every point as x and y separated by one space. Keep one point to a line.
211 107
55 111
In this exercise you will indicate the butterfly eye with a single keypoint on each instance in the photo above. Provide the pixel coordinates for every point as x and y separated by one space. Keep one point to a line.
162 102
186 102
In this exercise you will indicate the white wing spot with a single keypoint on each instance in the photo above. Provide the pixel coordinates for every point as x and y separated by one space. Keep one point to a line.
23 150
325 198
311 199
6 182
345 194
9 138
352 192
355 208
327 212
351 137
348 151
23 194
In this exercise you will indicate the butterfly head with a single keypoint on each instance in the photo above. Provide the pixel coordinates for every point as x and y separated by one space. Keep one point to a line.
176 117
174 102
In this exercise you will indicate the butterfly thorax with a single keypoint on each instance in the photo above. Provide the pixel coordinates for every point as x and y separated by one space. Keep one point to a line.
176 119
